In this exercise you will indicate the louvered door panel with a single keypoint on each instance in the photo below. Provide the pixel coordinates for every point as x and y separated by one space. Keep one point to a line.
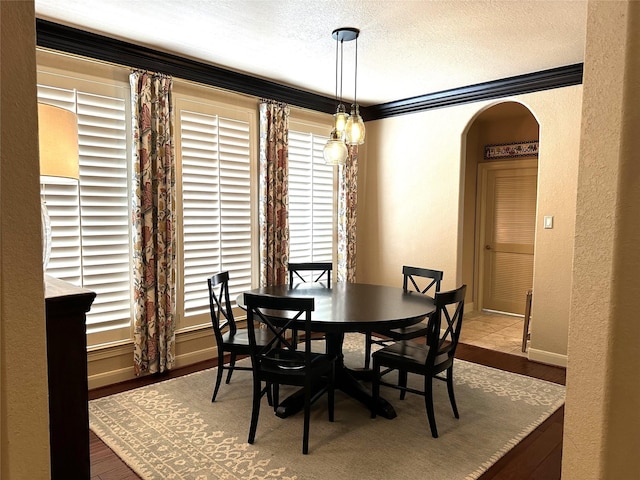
509 238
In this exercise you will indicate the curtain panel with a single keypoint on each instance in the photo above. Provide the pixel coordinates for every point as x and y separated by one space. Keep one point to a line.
274 193
347 214
154 220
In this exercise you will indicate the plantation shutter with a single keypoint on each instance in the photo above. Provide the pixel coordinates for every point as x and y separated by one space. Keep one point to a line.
90 218
215 154
311 199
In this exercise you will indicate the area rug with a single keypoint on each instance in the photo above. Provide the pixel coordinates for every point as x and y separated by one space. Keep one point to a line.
171 430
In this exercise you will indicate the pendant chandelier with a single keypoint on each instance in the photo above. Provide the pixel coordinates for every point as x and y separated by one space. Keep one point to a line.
348 129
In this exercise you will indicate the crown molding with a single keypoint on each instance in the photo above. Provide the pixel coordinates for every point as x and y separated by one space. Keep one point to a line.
527 83
79 42
91 45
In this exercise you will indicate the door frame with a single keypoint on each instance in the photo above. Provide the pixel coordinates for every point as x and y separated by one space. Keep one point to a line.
481 205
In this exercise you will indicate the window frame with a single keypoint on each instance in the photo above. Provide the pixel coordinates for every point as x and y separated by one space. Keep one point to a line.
61 72
317 127
187 101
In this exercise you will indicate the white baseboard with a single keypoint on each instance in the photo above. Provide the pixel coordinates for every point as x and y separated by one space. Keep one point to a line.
196 357
549 358
114 364
123 374
111 377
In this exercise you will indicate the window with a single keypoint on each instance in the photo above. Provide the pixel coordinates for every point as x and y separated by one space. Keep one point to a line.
90 218
215 155
311 197
216 152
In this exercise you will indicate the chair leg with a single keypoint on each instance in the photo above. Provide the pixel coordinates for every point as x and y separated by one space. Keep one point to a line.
452 396
367 349
270 395
255 410
307 417
331 393
232 364
375 388
428 401
276 396
218 374
402 382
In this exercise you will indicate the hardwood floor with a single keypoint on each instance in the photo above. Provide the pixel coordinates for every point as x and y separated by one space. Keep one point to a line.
537 457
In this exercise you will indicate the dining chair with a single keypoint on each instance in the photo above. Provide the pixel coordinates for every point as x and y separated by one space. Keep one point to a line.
281 363
429 359
317 272
229 339
422 280
322 269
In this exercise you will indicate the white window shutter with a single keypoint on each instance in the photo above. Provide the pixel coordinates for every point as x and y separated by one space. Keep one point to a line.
90 220
215 154
311 199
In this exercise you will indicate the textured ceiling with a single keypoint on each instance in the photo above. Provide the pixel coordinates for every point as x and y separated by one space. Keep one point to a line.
405 48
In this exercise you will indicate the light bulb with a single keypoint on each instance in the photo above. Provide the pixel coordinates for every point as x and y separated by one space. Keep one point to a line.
340 120
355 130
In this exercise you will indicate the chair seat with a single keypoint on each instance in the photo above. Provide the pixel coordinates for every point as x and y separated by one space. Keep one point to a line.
289 365
241 338
411 356
407 333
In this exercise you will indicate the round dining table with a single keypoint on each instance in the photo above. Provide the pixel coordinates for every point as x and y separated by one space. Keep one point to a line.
351 307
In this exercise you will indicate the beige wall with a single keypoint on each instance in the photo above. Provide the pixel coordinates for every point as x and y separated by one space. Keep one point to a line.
603 393
411 202
24 426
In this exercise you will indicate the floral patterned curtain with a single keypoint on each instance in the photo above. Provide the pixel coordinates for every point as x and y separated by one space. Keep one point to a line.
274 193
154 221
347 213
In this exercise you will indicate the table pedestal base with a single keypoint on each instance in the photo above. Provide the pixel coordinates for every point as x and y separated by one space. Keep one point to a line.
346 380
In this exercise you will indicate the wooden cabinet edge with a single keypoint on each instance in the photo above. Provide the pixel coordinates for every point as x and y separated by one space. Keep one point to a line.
66 307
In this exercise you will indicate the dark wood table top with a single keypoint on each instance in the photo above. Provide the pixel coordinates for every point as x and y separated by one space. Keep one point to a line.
350 307
355 307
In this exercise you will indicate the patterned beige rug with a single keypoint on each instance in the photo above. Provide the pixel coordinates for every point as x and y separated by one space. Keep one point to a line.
171 430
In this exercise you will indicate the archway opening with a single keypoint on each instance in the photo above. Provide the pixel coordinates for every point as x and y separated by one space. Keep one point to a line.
499 224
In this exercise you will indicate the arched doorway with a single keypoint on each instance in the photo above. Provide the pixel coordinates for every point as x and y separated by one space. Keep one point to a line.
499 227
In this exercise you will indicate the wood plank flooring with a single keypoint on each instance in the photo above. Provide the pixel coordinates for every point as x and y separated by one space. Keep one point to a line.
537 457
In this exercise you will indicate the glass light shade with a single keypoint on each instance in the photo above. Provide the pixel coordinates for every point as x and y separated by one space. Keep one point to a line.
340 120
355 131
335 151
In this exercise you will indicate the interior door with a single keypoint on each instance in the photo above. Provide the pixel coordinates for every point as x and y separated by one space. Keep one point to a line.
507 241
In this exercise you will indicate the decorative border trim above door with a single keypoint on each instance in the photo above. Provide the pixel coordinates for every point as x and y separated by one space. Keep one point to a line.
511 150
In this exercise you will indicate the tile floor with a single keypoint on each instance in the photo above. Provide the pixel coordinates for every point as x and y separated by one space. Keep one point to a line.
493 331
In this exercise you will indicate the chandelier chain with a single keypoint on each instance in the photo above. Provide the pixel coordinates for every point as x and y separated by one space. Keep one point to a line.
355 87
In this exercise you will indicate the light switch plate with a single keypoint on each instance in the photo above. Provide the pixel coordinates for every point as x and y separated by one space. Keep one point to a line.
548 221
